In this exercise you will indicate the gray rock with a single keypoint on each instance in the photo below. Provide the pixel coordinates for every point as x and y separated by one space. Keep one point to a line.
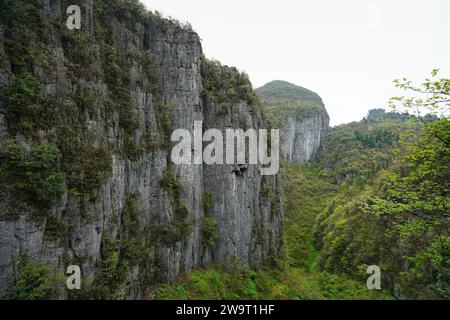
301 137
249 222
301 116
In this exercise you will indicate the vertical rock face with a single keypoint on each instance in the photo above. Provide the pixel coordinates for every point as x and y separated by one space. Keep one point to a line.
301 137
86 177
246 205
301 116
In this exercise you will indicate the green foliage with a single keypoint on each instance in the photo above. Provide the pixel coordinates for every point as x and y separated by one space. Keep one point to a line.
209 232
54 229
168 234
85 166
11 155
44 177
164 115
86 169
36 282
431 97
283 99
24 90
131 248
180 227
23 25
400 222
112 275
130 216
355 152
349 240
226 85
35 173
242 283
307 194
132 150
148 142
170 183
151 70
117 79
77 48
10 215
25 104
87 98
207 200
130 13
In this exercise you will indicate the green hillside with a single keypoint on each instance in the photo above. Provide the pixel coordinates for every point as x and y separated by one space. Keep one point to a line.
282 99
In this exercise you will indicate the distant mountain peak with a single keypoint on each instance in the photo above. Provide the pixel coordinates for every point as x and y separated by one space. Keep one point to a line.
279 89
282 98
301 116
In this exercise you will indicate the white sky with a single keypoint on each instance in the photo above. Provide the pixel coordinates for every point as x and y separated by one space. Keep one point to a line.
347 51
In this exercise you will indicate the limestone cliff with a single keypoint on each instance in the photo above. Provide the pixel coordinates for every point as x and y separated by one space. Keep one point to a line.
301 116
86 177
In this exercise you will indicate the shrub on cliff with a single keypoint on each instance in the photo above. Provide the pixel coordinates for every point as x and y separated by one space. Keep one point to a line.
36 282
35 173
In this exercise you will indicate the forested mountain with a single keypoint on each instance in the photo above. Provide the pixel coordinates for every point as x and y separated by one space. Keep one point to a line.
282 98
360 149
301 116
392 209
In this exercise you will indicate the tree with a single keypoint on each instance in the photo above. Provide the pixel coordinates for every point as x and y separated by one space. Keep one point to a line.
401 221
429 101
418 194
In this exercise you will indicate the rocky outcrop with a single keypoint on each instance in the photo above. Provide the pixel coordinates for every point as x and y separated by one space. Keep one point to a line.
301 137
95 108
301 116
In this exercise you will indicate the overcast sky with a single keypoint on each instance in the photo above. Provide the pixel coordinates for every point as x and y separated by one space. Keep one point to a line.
347 51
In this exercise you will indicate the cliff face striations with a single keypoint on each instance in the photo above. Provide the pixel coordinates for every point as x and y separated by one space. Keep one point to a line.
86 177
301 116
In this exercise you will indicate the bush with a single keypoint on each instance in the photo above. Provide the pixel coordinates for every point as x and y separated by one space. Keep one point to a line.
25 89
11 158
87 170
25 26
130 216
151 70
207 200
286 284
165 119
36 282
128 118
54 228
117 79
35 173
23 102
225 85
86 166
44 178
132 150
209 232
170 183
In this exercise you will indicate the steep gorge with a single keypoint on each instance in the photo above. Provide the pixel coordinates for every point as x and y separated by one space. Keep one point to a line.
86 176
